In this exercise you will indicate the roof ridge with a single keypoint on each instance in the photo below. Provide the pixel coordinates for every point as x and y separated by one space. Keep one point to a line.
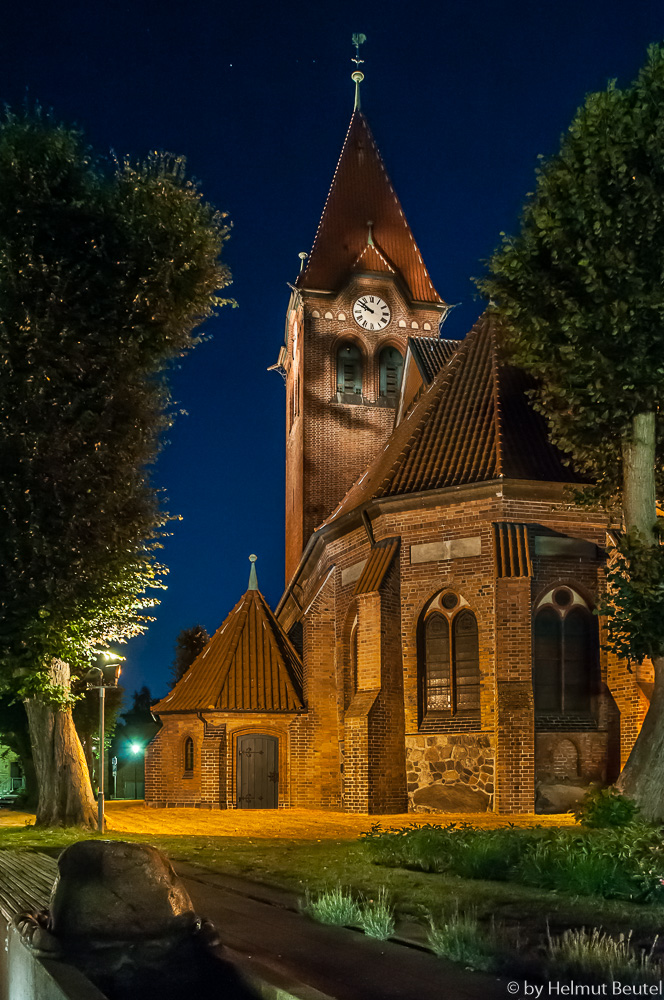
498 417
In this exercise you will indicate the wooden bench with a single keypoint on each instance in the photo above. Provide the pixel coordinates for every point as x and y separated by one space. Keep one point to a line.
26 881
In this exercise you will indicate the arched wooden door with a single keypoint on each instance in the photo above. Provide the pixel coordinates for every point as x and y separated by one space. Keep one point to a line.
257 772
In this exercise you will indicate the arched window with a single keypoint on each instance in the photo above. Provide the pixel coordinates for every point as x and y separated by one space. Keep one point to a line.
353 662
189 754
349 370
565 644
449 662
390 363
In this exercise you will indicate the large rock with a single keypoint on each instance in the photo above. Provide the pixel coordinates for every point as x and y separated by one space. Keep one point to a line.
456 798
558 797
111 890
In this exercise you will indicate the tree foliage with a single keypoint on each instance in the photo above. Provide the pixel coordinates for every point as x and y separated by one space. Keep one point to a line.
189 643
580 289
106 267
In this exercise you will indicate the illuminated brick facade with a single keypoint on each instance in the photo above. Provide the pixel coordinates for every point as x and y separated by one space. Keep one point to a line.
447 500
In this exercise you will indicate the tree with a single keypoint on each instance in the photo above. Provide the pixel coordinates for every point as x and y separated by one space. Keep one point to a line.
580 296
188 645
105 270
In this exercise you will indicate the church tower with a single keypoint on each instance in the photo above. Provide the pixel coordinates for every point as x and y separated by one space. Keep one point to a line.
363 291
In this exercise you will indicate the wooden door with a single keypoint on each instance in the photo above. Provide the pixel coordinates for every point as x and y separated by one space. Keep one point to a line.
257 772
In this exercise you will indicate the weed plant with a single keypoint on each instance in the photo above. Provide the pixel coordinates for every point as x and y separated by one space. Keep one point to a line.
596 956
334 906
605 807
625 863
377 916
461 938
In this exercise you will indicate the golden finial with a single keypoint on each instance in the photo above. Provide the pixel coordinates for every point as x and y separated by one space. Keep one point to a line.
357 76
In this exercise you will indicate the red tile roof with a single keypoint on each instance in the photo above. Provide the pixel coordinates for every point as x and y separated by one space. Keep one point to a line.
249 665
431 354
362 193
472 424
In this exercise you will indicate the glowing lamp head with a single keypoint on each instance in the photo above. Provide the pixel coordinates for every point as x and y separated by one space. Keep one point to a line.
135 747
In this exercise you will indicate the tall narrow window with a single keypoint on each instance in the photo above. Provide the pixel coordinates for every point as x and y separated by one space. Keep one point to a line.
349 370
189 754
449 662
438 686
390 365
466 662
565 647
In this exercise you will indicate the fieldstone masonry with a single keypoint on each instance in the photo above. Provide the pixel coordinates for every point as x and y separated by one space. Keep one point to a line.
454 773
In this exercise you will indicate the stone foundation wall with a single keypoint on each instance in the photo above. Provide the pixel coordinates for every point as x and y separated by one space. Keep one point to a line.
450 772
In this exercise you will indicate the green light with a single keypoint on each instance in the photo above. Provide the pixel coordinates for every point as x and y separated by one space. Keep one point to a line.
135 747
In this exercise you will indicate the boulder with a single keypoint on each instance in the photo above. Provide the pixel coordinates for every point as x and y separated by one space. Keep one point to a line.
456 797
558 797
111 890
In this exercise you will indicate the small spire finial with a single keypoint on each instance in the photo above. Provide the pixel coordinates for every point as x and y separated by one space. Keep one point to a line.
303 256
357 75
370 241
253 579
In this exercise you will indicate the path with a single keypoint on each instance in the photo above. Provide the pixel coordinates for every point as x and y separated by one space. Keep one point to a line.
256 922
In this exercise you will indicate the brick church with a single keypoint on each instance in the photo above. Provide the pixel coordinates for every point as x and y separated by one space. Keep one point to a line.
435 647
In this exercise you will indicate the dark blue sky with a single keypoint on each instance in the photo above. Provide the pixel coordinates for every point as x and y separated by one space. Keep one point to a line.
461 98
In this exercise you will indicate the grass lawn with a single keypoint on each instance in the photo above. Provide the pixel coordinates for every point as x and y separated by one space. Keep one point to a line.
299 850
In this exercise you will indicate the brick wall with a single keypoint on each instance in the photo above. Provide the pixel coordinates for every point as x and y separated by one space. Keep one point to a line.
330 443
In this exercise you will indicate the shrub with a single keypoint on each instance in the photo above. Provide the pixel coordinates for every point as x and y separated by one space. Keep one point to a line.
377 917
598 956
334 906
605 807
461 938
623 863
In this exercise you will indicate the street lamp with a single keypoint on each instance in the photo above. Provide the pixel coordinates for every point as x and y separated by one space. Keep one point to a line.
135 749
106 676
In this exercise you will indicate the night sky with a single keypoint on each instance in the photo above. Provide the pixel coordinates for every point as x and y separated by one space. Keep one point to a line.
461 98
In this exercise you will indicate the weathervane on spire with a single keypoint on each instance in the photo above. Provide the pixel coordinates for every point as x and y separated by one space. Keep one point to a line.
357 75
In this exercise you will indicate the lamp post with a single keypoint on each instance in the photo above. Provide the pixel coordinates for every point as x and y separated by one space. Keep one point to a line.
106 676
135 748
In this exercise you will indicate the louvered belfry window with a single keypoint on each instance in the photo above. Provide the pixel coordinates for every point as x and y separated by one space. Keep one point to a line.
451 669
565 661
391 368
349 370
189 754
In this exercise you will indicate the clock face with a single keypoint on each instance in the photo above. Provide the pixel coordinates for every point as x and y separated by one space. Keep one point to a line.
371 312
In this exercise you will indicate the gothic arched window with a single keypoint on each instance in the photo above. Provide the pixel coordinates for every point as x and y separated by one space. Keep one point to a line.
189 754
349 370
449 661
565 644
390 364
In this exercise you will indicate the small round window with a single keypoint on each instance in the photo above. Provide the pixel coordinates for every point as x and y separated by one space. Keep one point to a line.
563 597
449 601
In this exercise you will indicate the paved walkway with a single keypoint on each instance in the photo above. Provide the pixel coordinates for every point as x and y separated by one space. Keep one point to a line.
262 924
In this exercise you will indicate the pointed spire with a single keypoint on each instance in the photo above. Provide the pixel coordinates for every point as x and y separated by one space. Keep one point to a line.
361 190
357 76
253 579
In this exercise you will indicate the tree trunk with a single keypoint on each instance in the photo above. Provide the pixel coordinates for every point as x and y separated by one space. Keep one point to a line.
642 778
638 455
65 795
